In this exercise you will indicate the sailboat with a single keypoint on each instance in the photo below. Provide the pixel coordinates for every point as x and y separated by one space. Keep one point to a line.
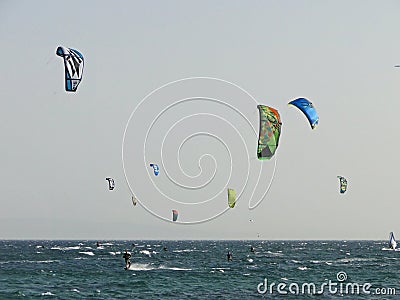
392 241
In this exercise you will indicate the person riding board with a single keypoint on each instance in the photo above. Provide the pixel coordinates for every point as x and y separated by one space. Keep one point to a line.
229 256
127 256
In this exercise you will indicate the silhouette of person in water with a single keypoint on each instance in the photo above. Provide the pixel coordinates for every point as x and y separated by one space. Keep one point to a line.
127 256
229 256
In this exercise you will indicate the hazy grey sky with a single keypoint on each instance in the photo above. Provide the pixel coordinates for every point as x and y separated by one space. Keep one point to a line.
58 147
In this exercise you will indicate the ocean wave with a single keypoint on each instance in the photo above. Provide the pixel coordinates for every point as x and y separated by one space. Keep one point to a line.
149 267
147 252
184 250
44 261
141 267
65 248
279 253
175 268
390 249
355 259
222 270
296 261
87 253
29 261
316 261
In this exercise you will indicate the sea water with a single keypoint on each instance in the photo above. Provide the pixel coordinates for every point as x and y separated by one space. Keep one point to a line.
45 269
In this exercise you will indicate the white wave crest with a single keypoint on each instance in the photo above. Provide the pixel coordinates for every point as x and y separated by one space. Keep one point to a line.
87 253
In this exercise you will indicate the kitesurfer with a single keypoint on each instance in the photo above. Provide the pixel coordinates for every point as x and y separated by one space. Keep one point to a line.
165 248
251 249
229 256
127 256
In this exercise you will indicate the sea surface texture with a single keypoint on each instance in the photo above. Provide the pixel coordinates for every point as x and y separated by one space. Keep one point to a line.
199 270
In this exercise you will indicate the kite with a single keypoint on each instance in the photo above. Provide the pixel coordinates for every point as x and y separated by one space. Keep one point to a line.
270 131
156 169
174 215
308 110
343 184
73 64
231 198
111 183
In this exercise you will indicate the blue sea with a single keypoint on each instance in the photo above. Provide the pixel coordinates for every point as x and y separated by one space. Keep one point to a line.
52 269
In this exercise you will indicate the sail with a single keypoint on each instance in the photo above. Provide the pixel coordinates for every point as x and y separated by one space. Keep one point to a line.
231 198
392 241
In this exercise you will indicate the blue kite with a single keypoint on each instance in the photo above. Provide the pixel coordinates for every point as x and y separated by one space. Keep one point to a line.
156 169
308 110
73 63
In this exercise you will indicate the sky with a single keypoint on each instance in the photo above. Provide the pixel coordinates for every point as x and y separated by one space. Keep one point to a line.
177 83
